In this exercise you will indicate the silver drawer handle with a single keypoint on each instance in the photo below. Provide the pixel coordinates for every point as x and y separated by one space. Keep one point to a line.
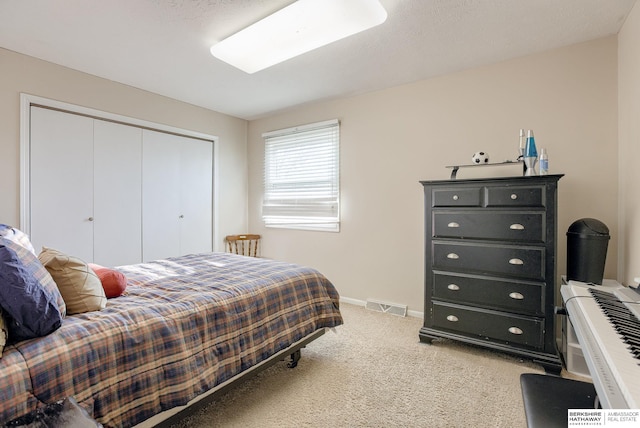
453 224
453 287
454 318
453 256
516 226
514 196
516 296
516 262
455 197
515 330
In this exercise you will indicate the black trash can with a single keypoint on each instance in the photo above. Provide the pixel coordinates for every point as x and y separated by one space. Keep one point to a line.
587 241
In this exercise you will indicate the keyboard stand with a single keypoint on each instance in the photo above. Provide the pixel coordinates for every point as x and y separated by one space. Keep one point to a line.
548 398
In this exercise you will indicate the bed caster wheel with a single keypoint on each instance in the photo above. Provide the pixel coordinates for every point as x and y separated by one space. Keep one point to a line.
295 357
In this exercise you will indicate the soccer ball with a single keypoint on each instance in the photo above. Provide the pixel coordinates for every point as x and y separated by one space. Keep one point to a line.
480 158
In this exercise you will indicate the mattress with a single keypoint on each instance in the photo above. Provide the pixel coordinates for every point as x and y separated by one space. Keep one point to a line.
185 325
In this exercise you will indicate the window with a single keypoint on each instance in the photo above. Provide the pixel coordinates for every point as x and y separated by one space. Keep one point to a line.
301 180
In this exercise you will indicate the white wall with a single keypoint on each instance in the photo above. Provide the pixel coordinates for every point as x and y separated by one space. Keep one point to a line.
21 73
629 143
391 139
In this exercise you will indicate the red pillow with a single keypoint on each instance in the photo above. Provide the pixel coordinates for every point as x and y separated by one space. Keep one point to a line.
113 282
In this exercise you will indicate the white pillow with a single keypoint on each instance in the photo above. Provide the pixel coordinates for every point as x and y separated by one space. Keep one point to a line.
17 236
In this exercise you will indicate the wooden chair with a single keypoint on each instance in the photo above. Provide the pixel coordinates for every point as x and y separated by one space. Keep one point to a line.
246 245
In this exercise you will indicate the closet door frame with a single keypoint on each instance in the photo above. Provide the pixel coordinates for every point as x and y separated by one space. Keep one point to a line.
28 100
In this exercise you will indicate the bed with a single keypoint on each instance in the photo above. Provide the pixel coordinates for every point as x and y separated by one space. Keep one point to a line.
185 326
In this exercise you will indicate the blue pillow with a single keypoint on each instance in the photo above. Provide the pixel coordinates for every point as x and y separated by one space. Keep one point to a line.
32 310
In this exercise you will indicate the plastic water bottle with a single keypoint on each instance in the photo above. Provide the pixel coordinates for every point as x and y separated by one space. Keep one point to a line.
544 162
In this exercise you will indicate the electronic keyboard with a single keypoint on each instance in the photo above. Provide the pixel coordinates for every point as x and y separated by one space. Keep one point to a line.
606 320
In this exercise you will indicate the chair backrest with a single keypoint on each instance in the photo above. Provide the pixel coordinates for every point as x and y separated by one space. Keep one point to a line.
246 245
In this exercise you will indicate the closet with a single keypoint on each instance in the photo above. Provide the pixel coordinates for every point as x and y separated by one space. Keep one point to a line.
115 194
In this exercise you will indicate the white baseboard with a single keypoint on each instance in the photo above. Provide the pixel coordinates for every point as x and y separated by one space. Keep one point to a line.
352 301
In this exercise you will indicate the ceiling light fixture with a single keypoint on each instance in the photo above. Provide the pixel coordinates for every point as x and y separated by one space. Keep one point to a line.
298 28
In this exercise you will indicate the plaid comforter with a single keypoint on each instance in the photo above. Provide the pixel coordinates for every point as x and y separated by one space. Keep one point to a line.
186 325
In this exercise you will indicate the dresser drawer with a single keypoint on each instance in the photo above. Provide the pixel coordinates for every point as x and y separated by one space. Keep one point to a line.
463 197
517 261
517 297
488 324
532 196
496 225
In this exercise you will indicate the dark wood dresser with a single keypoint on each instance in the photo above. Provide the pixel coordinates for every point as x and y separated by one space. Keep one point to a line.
490 264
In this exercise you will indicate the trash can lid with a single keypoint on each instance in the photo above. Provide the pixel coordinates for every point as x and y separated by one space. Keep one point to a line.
589 227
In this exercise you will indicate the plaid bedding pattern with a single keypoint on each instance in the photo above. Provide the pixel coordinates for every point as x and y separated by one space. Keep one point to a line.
186 325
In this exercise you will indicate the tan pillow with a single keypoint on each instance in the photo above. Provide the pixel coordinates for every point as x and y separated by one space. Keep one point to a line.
4 332
80 287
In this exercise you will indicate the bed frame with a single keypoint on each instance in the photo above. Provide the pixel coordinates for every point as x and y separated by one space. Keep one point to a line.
172 416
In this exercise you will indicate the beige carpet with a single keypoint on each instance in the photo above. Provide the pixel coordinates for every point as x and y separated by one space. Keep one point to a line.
374 372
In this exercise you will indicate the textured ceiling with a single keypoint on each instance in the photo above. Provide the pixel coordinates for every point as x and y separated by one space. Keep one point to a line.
162 46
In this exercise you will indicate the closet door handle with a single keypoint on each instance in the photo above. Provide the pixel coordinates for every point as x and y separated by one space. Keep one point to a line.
453 224
515 330
516 226
90 219
453 256
516 262
516 296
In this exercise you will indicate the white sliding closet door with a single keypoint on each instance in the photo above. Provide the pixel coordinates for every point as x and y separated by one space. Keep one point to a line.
177 195
196 166
86 186
160 196
61 182
117 194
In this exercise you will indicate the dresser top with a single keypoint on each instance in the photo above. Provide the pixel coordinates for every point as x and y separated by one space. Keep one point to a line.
515 179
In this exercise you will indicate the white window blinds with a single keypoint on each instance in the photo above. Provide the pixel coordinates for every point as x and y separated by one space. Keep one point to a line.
301 181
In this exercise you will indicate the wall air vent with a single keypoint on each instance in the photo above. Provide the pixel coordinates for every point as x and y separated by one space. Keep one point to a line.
386 307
